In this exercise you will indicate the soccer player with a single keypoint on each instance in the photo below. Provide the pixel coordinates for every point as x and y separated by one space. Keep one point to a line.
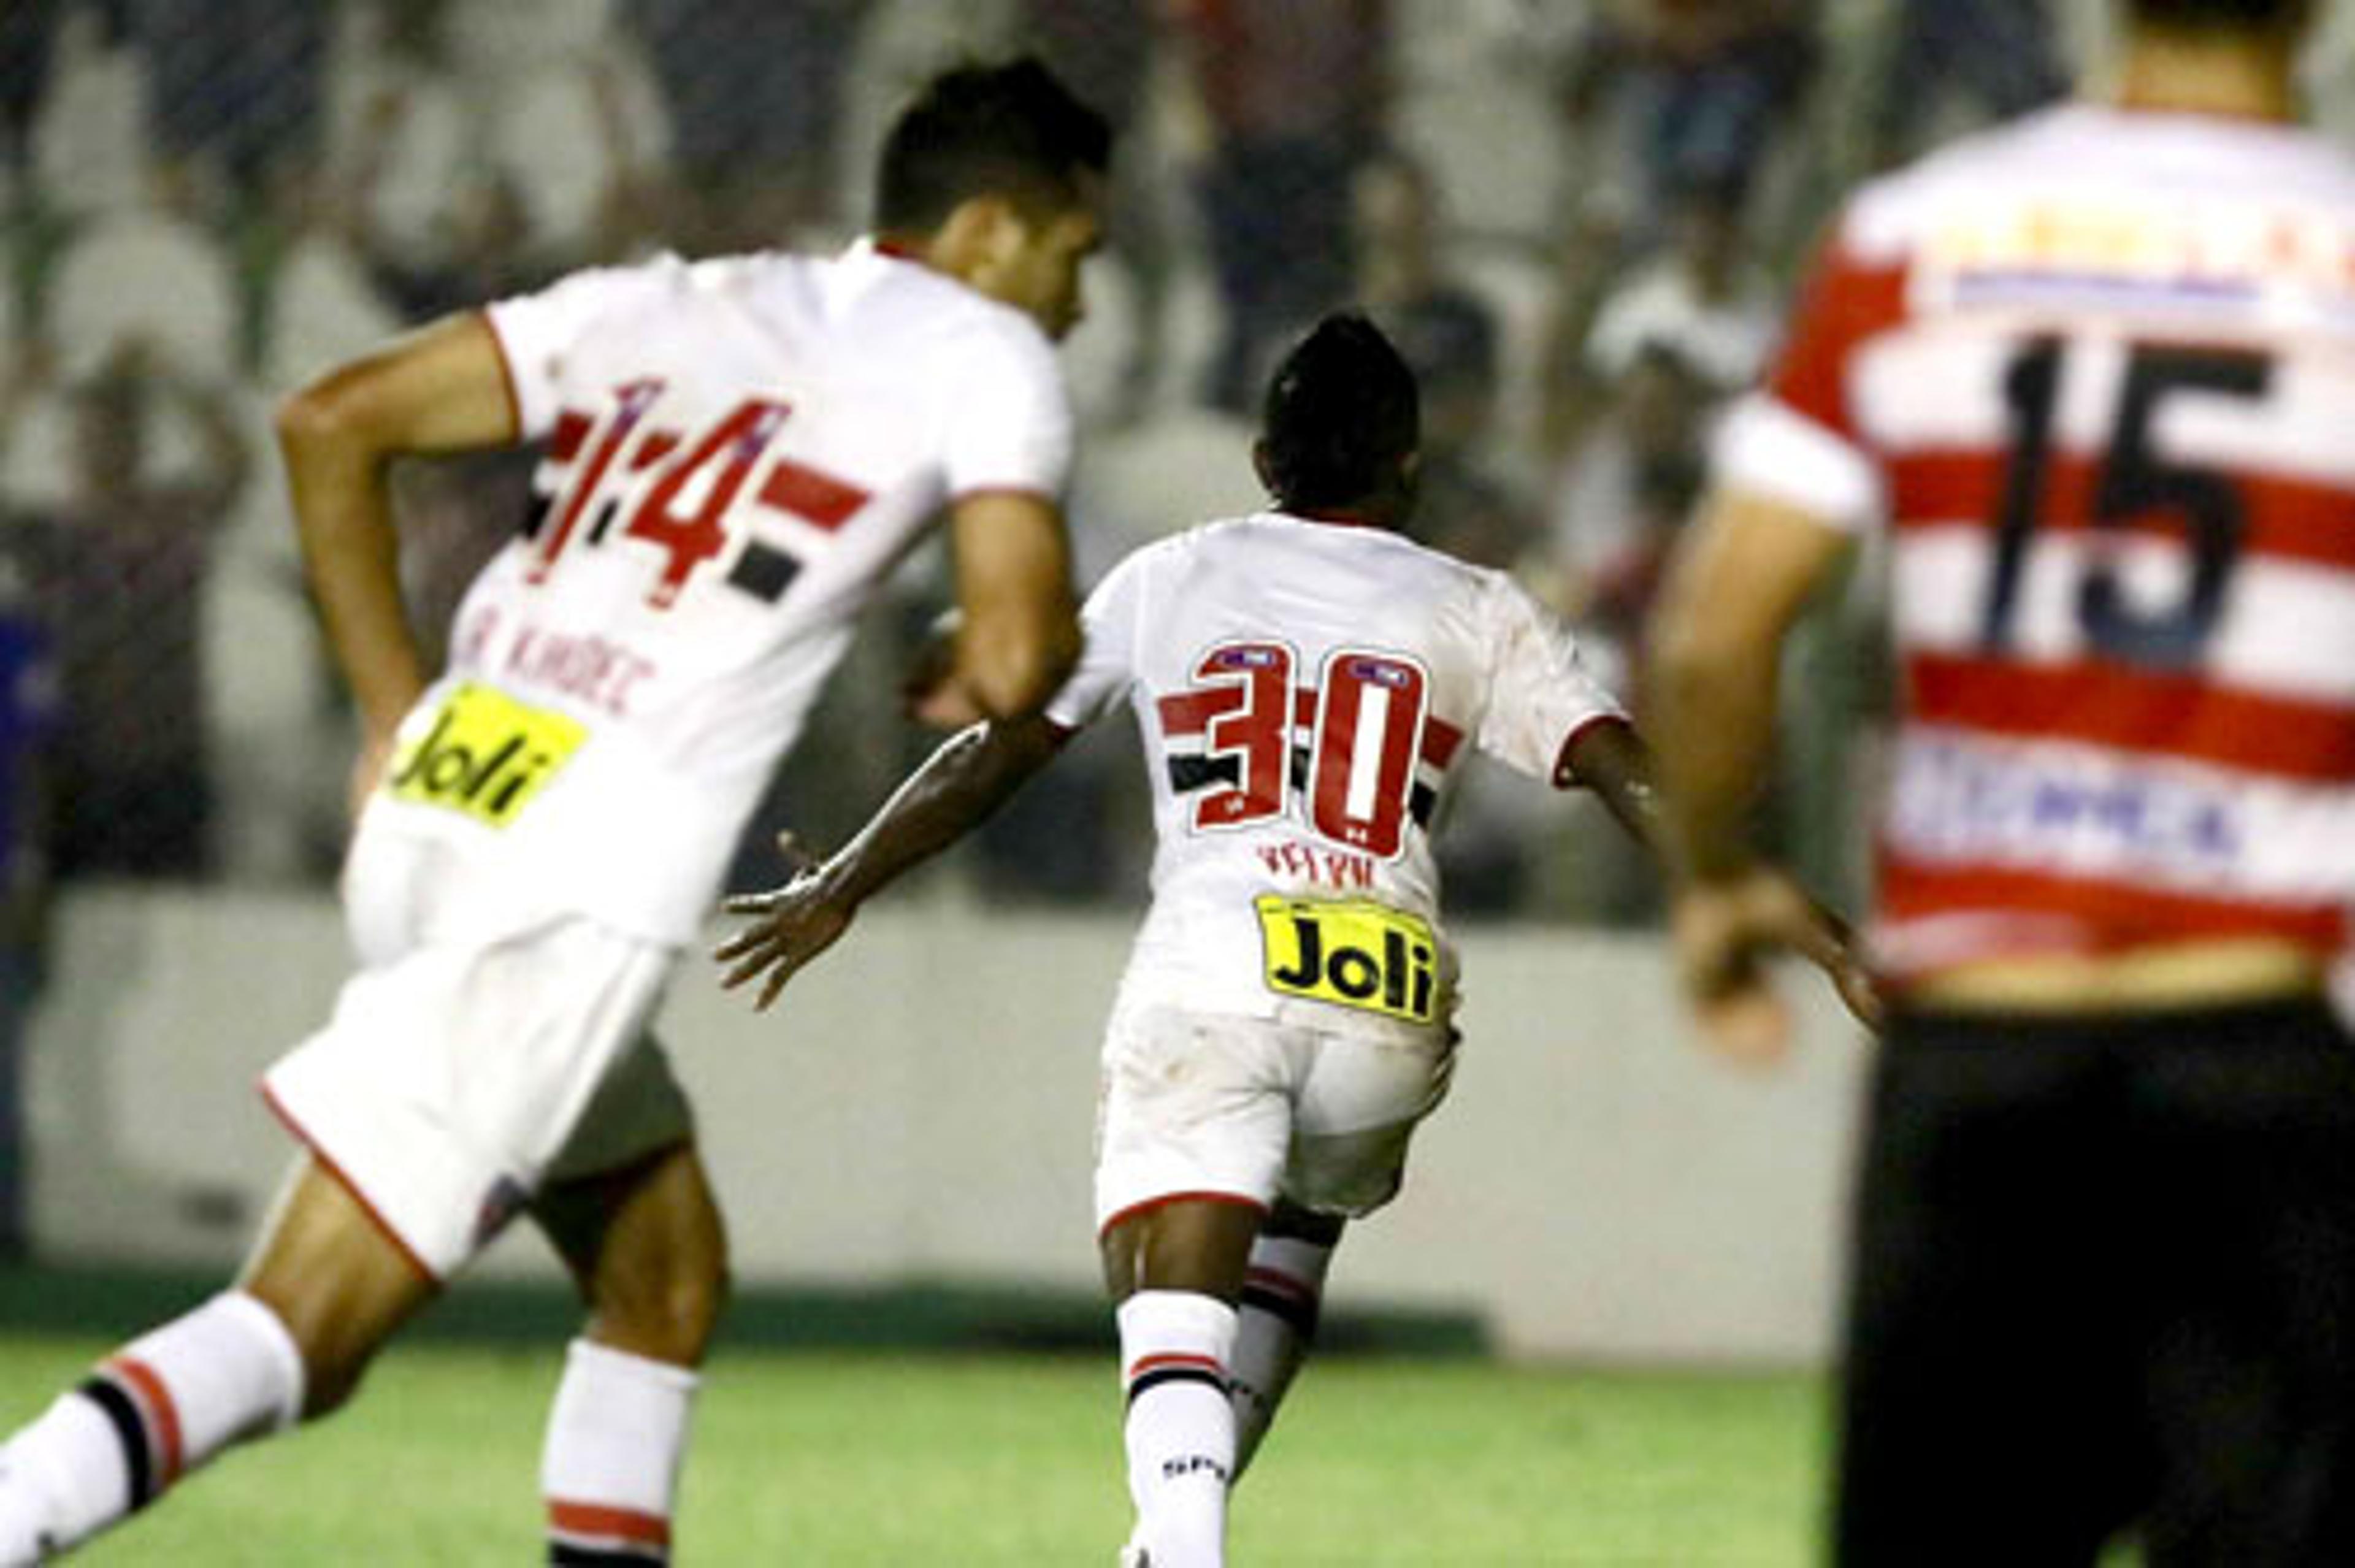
737 450
1309 684
2092 377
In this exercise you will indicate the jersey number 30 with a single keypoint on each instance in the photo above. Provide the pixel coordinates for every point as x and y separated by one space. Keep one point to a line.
1364 718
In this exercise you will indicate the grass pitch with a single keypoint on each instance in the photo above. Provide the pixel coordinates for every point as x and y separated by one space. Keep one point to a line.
849 1459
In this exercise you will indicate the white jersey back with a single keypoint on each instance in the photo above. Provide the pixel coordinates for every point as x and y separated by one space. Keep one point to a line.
738 451
1303 691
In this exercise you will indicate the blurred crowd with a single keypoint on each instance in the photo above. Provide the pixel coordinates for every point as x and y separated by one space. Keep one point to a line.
1578 220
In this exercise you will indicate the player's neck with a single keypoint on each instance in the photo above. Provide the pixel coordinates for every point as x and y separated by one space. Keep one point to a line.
2178 74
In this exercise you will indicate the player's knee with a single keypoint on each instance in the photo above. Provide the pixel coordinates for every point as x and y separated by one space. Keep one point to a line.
670 1318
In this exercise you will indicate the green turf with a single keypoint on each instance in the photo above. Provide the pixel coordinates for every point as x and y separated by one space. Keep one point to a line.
871 1458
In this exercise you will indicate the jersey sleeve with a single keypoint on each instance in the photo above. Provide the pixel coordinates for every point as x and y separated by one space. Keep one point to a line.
1008 418
1540 693
1798 439
538 333
1108 623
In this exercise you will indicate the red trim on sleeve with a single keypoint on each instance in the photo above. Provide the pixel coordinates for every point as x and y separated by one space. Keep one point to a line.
1566 776
506 374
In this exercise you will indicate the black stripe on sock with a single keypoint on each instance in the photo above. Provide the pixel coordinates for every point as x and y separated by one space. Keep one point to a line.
1160 1375
1299 1315
130 1430
562 1555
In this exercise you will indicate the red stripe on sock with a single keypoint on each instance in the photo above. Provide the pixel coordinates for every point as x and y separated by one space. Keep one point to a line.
608 1523
1277 1282
162 1415
1153 1363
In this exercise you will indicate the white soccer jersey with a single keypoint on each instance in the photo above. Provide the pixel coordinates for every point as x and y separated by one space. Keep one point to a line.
2095 372
1303 691
738 451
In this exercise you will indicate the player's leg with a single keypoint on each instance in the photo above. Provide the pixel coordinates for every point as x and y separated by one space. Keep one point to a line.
642 1235
2246 1142
1276 1315
1174 1269
1990 1411
324 1290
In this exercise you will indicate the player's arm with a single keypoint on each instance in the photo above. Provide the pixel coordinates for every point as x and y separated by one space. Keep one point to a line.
1740 581
972 773
440 389
1017 629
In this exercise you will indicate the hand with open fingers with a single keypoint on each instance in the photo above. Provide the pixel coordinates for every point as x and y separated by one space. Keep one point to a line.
790 925
1726 931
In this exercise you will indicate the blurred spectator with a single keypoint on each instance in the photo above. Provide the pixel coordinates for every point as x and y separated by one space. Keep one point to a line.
1103 50
1468 503
1695 91
28 705
755 91
147 271
1296 92
403 150
571 121
1998 52
117 565
90 140
1624 496
1702 295
236 84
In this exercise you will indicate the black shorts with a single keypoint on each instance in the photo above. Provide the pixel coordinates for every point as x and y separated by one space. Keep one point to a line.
2103 1281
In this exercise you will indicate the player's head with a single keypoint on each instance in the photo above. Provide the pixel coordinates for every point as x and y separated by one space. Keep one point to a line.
995 175
1342 425
2254 18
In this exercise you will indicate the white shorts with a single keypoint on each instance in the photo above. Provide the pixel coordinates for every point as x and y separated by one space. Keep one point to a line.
458 1078
1211 1104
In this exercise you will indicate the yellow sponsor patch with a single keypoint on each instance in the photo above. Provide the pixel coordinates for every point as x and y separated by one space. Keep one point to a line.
1352 951
486 755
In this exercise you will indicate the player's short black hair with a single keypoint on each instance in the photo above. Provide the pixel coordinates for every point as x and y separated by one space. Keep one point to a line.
2216 16
1341 419
1012 130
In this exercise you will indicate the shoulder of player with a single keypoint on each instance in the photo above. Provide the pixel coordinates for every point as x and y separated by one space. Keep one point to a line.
1887 215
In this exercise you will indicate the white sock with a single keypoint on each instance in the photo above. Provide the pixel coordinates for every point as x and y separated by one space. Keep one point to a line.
610 1469
1173 1346
1284 1291
151 1412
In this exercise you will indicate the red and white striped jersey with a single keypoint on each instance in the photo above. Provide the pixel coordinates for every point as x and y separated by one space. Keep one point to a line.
738 451
1304 692
2095 372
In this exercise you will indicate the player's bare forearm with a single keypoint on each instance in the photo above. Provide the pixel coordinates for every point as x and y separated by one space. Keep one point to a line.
440 389
1738 583
957 788
1612 760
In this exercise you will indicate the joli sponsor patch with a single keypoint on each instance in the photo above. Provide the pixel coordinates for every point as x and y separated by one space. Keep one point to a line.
1352 951
486 755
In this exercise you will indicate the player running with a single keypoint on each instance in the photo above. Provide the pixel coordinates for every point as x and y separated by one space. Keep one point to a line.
736 453
1308 685
2093 378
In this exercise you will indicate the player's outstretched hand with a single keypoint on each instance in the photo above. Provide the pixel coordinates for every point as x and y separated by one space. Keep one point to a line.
790 925
1725 932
